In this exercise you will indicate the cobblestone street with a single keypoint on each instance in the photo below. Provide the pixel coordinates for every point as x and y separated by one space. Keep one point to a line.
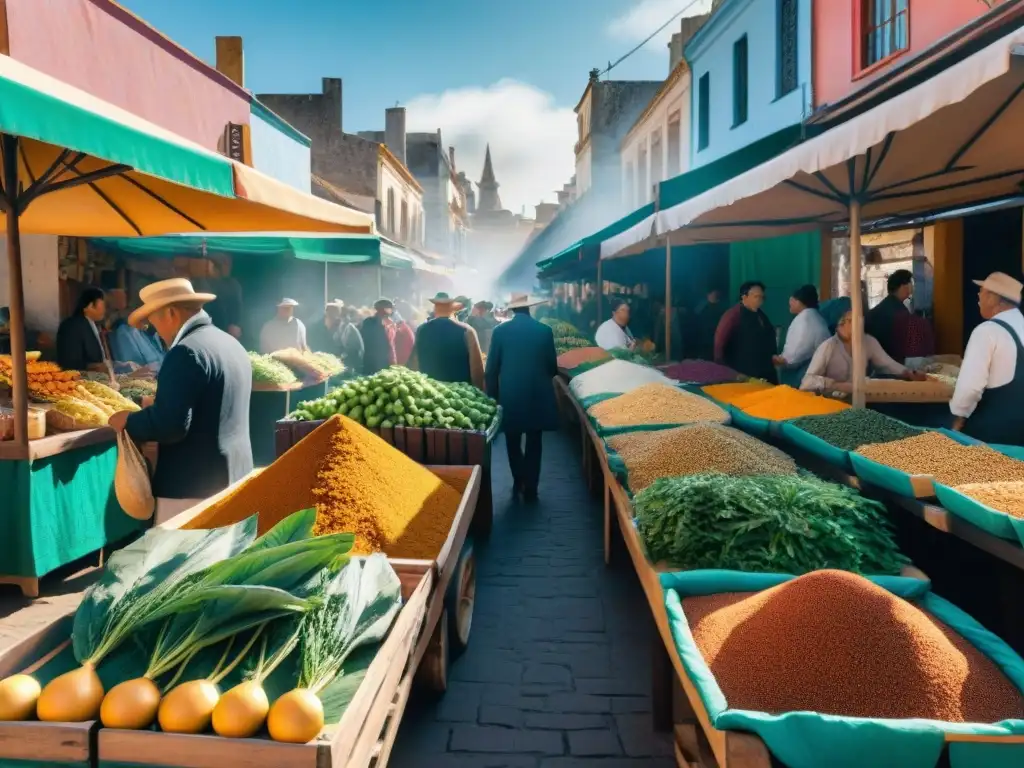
557 673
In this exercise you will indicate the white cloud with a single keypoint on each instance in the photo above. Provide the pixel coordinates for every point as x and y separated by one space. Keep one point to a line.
647 15
531 138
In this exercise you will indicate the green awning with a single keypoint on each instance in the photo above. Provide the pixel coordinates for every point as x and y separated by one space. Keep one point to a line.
591 242
335 249
36 106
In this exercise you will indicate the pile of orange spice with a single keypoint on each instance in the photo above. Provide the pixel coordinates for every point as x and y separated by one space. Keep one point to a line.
358 484
781 403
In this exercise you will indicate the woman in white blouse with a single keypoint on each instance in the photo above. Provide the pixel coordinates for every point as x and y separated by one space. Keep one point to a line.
831 368
806 333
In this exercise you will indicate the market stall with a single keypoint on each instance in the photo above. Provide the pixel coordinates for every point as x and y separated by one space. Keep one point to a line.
77 165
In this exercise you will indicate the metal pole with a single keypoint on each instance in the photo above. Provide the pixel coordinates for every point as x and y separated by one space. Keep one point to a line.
19 374
857 304
668 297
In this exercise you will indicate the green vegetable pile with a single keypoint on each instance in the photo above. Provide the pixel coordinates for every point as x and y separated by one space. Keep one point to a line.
850 429
765 524
560 328
620 353
399 397
267 370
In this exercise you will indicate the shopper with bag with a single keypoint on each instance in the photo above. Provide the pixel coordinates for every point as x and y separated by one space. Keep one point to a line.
200 416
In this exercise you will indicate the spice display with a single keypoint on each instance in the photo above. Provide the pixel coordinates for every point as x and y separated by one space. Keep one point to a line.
267 370
949 462
700 372
358 483
399 397
573 358
851 428
656 404
617 377
730 392
838 644
765 524
1005 497
783 402
694 449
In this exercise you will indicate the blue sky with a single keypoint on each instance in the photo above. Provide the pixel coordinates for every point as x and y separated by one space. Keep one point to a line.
424 54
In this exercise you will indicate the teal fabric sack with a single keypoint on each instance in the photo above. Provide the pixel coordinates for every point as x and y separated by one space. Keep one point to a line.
749 424
991 520
812 740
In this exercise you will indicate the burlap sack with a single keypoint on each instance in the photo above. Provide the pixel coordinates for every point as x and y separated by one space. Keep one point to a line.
131 480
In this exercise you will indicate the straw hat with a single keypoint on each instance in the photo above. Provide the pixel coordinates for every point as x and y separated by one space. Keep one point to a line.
1001 284
286 302
163 293
335 304
521 300
443 298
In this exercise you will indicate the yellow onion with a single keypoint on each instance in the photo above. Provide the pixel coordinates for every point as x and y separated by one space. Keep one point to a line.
297 717
73 697
132 704
241 712
189 707
18 697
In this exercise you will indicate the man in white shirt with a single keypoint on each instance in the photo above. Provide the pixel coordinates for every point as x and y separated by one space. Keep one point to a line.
990 389
614 333
284 331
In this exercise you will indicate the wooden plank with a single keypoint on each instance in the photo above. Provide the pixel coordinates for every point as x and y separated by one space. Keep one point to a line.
457 448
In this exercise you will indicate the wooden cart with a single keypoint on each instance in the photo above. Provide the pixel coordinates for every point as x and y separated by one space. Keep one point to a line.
426 445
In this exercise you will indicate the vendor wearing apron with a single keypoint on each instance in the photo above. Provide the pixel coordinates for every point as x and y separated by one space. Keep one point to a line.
200 415
987 401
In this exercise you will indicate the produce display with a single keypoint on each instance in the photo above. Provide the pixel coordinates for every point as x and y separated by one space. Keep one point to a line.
309 365
838 644
849 429
47 382
695 449
561 328
616 377
268 370
1005 497
949 462
135 389
700 372
574 358
638 355
783 402
357 483
397 396
655 404
729 393
91 404
764 524
177 613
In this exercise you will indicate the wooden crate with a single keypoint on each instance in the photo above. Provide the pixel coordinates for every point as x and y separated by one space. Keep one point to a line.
426 445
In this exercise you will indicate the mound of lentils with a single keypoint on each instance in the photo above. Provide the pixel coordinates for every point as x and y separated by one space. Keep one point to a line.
696 449
850 429
836 643
656 404
949 462
1002 497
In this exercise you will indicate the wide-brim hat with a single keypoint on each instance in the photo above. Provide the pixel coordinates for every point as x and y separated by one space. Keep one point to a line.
286 302
162 294
335 304
383 303
1001 284
443 298
522 300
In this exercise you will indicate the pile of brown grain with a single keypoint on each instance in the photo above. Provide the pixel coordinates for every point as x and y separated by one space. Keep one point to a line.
358 483
949 462
835 643
695 449
656 404
1004 497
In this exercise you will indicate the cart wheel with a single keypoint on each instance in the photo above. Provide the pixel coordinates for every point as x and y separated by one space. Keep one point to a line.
433 669
460 600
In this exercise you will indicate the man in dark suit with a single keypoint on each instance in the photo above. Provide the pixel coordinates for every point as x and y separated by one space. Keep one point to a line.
78 337
520 367
200 416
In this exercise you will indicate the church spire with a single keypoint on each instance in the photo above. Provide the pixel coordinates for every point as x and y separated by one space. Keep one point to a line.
489 199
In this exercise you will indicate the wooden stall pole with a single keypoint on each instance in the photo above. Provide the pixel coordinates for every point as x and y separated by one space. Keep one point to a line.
19 374
668 297
857 304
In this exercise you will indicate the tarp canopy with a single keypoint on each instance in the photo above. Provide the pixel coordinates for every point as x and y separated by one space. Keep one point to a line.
334 249
588 248
89 168
951 140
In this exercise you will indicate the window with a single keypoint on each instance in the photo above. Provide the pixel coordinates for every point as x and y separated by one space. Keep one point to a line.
675 138
739 82
786 65
657 158
642 176
390 212
405 221
884 29
629 186
703 107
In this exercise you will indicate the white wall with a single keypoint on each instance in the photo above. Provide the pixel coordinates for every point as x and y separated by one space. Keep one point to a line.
672 103
390 179
40 275
276 152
